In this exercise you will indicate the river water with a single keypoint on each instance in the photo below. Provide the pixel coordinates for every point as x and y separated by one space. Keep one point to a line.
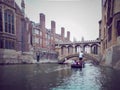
58 77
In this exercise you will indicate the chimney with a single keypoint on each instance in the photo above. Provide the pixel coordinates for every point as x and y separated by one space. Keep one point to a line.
68 35
62 33
53 26
43 29
53 31
42 19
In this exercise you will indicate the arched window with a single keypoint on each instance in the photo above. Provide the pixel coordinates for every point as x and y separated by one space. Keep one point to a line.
9 21
118 28
87 48
1 29
94 49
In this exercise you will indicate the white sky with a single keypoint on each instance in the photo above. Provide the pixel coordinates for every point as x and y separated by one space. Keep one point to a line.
80 17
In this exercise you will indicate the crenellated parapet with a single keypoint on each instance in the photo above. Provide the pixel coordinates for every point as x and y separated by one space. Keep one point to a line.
68 48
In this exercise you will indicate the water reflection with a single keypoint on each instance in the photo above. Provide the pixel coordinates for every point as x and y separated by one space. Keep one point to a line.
58 77
110 79
85 79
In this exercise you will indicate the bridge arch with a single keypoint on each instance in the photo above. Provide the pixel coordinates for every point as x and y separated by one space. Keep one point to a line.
78 48
63 50
87 56
70 49
87 48
94 48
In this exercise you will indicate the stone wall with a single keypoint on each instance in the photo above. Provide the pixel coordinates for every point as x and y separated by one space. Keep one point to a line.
13 57
116 57
112 57
8 56
26 58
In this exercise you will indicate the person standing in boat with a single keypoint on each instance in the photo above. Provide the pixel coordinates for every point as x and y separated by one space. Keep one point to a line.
81 55
81 58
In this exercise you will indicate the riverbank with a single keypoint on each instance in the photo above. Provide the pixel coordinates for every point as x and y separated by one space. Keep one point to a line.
32 62
47 61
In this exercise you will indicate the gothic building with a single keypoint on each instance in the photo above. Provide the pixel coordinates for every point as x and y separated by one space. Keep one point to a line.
21 40
44 39
110 32
13 31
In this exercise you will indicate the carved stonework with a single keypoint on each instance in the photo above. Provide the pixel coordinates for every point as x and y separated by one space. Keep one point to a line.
103 2
9 2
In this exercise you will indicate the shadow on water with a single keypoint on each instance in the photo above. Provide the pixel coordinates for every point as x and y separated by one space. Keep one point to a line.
58 77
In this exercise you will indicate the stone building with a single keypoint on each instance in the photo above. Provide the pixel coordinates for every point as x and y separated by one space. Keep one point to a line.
110 32
14 31
21 40
44 39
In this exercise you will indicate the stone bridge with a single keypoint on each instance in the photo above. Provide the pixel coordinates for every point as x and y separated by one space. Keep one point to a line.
67 50
93 57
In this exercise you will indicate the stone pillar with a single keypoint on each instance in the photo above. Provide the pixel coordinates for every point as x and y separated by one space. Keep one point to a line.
66 51
83 48
96 49
62 33
70 50
99 50
59 51
73 49
43 29
91 50
62 50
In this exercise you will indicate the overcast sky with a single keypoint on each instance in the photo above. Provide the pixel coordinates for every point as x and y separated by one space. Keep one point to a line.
80 17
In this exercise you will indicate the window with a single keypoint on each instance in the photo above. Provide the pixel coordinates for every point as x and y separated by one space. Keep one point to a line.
6 44
37 40
1 43
37 31
9 44
9 21
118 28
48 37
109 33
13 31
1 20
40 33
12 45
41 41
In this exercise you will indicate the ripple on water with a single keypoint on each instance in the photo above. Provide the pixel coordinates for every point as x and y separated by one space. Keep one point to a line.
58 77
84 79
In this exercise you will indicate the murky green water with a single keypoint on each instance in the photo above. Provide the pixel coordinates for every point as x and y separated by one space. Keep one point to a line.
58 77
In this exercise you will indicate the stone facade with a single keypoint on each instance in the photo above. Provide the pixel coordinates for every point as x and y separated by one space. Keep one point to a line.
70 48
12 31
22 40
110 32
44 39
